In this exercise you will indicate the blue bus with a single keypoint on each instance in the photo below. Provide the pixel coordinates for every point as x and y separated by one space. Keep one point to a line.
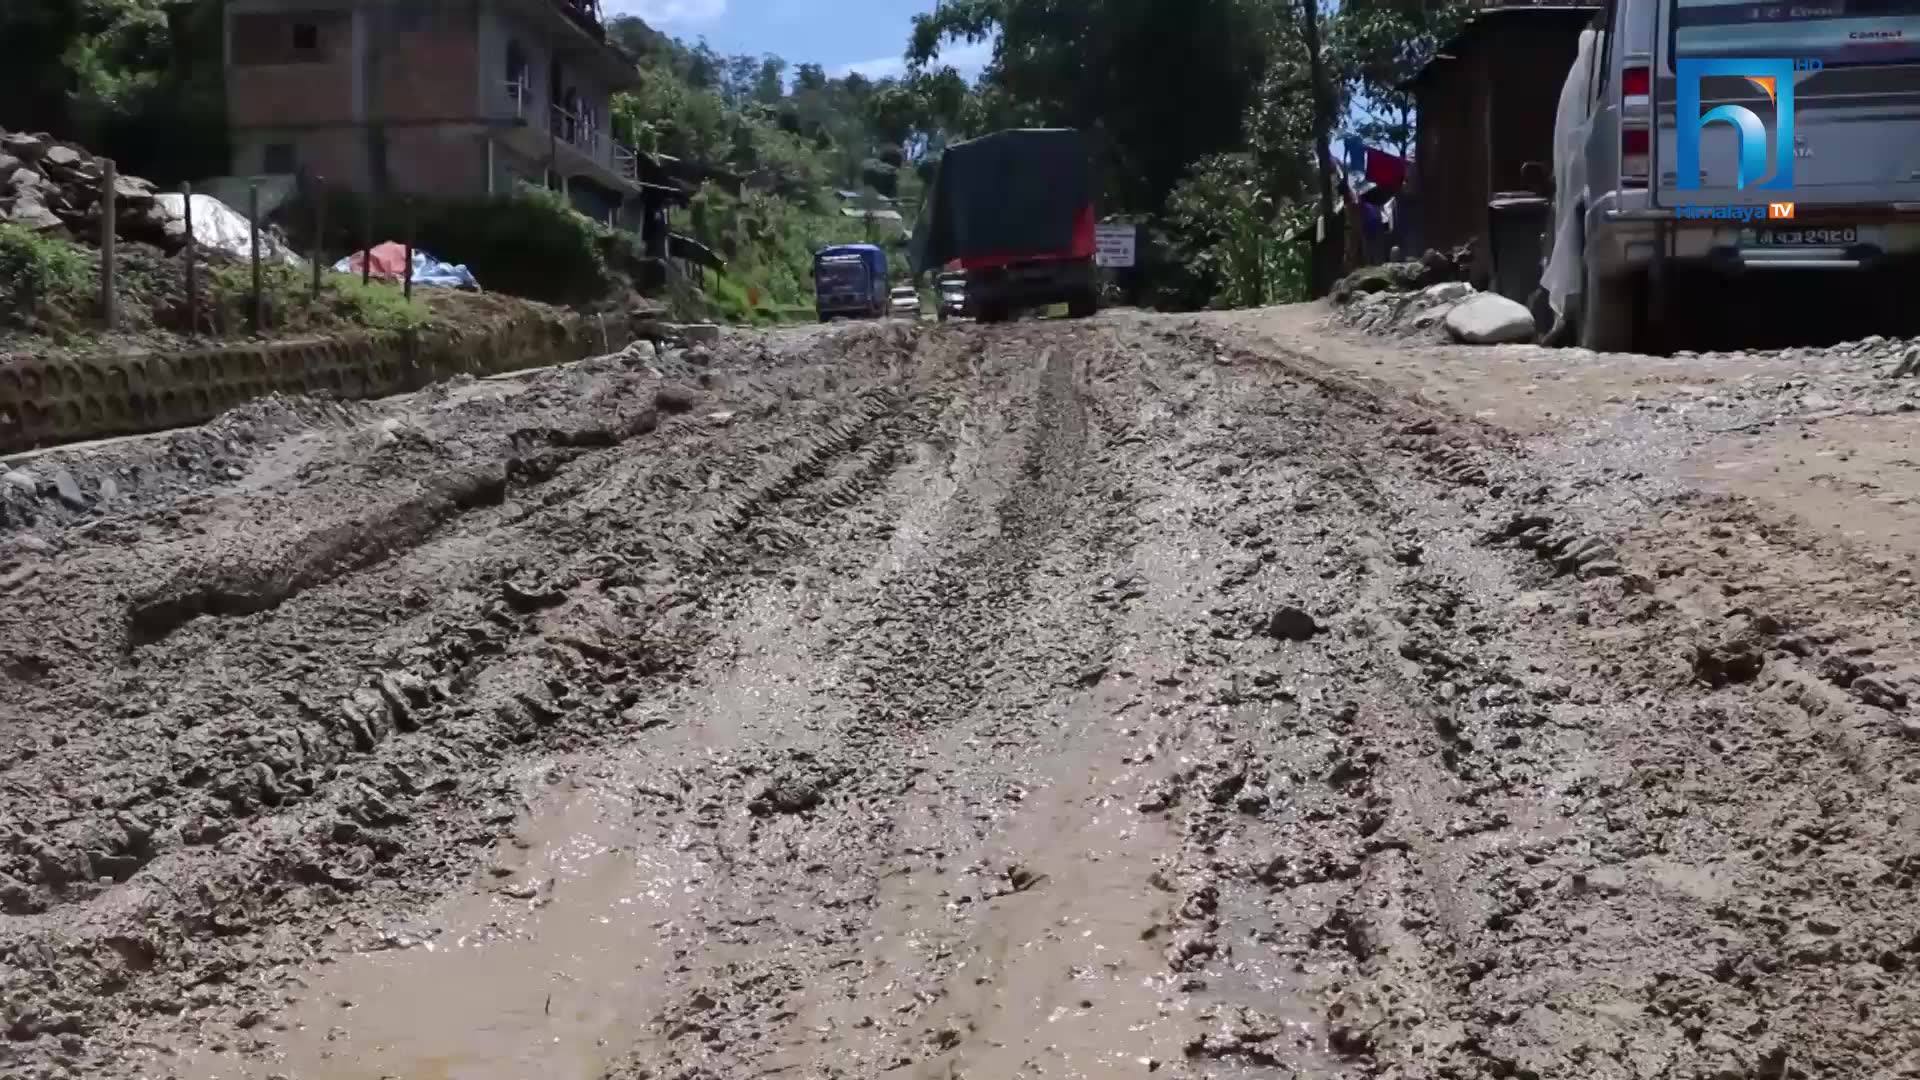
850 280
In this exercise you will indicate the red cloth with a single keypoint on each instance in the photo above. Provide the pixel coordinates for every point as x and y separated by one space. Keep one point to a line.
1385 170
389 261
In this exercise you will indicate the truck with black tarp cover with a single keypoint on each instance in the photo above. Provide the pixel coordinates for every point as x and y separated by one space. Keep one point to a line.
1014 212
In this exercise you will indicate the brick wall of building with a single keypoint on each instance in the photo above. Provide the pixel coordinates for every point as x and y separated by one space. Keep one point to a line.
290 69
426 66
438 160
337 154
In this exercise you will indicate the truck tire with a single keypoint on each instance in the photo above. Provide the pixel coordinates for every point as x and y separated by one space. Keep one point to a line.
1083 307
1542 308
1612 313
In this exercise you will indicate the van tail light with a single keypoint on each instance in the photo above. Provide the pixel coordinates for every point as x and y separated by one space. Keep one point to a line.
1636 157
1636 82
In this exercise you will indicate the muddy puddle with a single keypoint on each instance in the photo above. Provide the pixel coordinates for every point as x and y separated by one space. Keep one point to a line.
541 968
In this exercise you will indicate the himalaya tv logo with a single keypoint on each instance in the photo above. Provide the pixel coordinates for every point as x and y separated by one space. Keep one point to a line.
1774 78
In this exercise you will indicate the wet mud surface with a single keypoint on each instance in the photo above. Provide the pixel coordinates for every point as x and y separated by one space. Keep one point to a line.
1137 696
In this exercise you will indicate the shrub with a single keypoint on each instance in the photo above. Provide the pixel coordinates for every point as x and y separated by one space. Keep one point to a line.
37 270
529 243
1224 240
288 303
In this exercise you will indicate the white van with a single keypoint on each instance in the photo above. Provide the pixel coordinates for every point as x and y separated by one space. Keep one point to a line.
1851 72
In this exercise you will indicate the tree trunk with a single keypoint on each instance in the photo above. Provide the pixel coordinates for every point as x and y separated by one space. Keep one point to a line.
1323 263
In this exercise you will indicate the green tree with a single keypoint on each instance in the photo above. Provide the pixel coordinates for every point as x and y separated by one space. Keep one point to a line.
1228 237
1381 44
705 69
770 86
1158 84
809 78
136 80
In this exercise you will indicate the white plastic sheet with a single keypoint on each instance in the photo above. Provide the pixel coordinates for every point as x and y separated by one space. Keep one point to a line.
215 225
1570 123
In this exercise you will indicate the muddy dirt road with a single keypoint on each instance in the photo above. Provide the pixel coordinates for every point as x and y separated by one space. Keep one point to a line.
1137 696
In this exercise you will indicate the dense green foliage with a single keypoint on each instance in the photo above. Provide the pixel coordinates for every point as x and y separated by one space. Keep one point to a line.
795 139
38 273
1226 236
136 80
1208 112
287 301
528 243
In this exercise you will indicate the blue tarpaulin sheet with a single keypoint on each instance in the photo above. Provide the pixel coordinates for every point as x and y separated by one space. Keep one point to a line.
427 270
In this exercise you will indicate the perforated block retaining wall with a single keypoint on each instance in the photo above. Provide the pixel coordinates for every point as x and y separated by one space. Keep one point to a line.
50 400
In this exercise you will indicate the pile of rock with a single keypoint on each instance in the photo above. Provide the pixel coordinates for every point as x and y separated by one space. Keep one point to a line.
1417 312
1433 297
1433 268
1451 310
50 186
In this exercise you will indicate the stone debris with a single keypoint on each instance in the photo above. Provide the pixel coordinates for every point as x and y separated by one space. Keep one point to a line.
1489 319
1413 312
47 186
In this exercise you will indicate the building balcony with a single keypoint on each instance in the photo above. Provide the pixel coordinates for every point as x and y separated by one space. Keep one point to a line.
585 14
576 30
577 145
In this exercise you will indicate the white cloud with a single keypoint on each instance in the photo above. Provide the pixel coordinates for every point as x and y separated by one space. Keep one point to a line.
669 12
968 59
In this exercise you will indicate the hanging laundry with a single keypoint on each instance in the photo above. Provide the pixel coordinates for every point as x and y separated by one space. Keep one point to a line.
1356 154
1385 170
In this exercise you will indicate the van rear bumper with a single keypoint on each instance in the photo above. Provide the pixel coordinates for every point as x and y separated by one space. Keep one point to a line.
1897 213
1628 240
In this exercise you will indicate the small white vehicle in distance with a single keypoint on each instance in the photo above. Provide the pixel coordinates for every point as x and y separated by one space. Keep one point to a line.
904 302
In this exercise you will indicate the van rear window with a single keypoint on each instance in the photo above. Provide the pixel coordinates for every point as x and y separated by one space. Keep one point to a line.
1838 32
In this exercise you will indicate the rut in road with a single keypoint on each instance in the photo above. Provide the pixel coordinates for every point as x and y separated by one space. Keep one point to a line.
1052 699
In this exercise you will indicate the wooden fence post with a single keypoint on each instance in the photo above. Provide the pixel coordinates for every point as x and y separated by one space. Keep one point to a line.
109 227
366 238
193 258
253 242
319 230
406 271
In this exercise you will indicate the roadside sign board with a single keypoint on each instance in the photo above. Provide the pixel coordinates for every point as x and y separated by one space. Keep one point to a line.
1113 245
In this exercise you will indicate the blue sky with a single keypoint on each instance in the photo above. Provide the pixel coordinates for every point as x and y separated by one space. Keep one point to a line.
868 36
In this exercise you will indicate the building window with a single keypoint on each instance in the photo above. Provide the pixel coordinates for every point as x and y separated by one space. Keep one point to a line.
519 79
279 160
282 39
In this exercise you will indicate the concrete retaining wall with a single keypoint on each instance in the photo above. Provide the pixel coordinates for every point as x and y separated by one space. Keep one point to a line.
45 401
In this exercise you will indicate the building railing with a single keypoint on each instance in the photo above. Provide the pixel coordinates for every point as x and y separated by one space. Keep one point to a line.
583 133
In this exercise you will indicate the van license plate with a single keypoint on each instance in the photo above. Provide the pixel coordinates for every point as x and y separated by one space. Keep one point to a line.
1807 237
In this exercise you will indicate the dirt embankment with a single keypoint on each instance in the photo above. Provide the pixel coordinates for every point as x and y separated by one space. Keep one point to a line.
1050 699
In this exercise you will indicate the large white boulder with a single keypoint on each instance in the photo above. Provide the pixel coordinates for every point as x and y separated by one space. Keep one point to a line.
1490 319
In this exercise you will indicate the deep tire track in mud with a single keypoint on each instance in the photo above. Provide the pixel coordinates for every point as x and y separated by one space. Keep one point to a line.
1055 699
